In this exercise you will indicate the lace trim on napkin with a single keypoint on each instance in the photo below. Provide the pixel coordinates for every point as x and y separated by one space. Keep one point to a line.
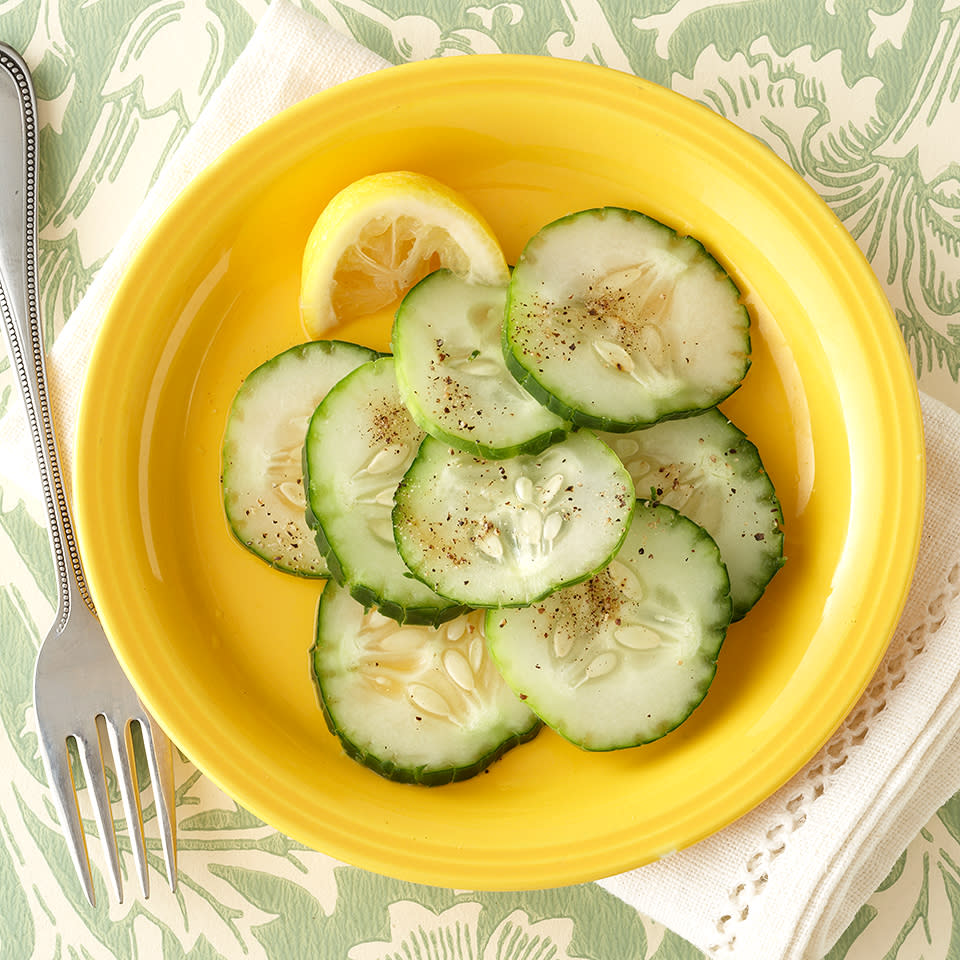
815 779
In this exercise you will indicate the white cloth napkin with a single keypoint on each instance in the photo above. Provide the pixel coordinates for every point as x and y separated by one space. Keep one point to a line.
785 880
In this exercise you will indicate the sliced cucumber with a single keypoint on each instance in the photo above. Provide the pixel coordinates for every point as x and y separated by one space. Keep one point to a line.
359 444
452 375
625 657
614 321
414 703
706 468
261 459
490 533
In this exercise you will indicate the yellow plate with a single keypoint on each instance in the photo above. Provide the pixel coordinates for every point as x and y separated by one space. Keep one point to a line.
216 642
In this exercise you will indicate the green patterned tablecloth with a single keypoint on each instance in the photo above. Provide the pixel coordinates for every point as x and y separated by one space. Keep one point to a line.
862 98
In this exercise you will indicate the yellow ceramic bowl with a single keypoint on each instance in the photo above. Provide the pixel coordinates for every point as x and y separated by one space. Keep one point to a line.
216 642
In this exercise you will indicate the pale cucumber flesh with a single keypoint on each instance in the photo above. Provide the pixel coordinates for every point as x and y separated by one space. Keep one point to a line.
615 322
709 470
261 460
359 444
417 704
624 658
490 533
452 373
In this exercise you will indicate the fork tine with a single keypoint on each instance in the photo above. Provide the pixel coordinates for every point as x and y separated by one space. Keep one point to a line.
122 749
91 759
56 760
160 763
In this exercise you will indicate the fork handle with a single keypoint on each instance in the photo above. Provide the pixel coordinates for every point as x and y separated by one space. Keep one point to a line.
19 305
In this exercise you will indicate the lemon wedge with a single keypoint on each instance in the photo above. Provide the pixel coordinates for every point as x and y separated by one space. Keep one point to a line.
383 233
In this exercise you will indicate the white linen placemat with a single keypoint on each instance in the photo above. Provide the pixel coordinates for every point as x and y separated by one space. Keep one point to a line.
785 880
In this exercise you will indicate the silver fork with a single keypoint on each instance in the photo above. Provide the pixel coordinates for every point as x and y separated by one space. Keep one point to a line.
78 684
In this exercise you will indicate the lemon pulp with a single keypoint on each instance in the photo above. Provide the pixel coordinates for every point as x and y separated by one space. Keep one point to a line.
383 233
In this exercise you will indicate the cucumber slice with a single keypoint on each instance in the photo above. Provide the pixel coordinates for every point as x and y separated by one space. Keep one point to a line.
625 657
706 468
614 321
261 457
416 704
359 444
490 533
452 375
